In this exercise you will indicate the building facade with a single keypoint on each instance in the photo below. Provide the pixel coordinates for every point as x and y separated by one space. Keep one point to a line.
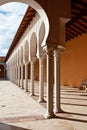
37 48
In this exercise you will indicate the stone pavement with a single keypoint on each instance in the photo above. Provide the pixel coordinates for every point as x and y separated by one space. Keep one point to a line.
19 111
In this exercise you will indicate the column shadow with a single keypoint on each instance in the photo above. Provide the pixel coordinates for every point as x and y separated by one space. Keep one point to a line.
74 98
71 119
10 127
74 104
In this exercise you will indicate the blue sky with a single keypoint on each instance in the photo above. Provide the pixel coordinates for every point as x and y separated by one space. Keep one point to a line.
11 15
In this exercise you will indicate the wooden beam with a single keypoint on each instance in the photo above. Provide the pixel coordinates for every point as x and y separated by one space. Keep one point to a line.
78 27
75 30
71 32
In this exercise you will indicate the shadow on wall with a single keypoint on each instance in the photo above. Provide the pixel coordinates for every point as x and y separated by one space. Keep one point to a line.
10 127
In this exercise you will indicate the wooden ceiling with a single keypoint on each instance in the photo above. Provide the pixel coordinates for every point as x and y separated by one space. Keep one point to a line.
78 23
76 26
2 58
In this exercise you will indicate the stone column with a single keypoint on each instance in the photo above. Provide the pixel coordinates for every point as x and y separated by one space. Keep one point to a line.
15 74
32 78
18 76
57 107
50 75
22 80
26 76
11 73
41 80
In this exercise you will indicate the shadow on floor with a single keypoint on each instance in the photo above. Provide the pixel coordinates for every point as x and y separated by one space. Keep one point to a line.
71 119
79 114
71 116
72 94
74 104
10 127
73 98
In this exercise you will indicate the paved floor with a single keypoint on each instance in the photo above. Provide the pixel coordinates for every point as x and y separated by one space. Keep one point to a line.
19 111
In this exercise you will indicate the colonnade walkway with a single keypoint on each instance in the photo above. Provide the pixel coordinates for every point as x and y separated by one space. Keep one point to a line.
19 111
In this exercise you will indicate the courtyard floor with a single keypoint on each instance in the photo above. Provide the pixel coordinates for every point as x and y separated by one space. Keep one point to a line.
19 111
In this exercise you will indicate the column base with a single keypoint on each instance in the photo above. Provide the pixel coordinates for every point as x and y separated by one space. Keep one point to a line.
40 101
50 115
32 94
22 86
27 90
58 111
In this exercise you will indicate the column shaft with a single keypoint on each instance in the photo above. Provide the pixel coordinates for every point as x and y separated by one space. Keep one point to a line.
41 81
26 76
18 76
22 80
50 75
57 81
32 78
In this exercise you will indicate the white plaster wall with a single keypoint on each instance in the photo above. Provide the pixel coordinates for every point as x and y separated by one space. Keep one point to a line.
33 27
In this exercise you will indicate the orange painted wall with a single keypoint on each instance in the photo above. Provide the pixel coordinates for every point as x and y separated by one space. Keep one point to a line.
74 62
2 72
36 70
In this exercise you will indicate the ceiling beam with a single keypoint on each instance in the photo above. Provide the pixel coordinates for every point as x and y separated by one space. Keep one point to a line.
71 32
79 3
77 26
75 30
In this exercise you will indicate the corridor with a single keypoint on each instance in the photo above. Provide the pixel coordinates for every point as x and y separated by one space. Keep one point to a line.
19 111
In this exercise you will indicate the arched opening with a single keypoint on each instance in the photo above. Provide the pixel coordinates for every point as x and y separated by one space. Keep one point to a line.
26 51
22 55
33 46
2 71
36 70
41 33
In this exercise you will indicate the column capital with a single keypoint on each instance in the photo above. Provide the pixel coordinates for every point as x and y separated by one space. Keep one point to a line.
41 58
49 48
26 63
33 60
59 50
49 51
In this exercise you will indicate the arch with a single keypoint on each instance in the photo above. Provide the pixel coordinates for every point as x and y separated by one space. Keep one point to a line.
37 7
26 52
2 71
33 46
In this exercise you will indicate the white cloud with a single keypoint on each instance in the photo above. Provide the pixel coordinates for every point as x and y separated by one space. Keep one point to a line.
11 15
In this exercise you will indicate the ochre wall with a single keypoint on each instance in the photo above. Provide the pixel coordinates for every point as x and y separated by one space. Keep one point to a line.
36 70
45 71
2 72
74 62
